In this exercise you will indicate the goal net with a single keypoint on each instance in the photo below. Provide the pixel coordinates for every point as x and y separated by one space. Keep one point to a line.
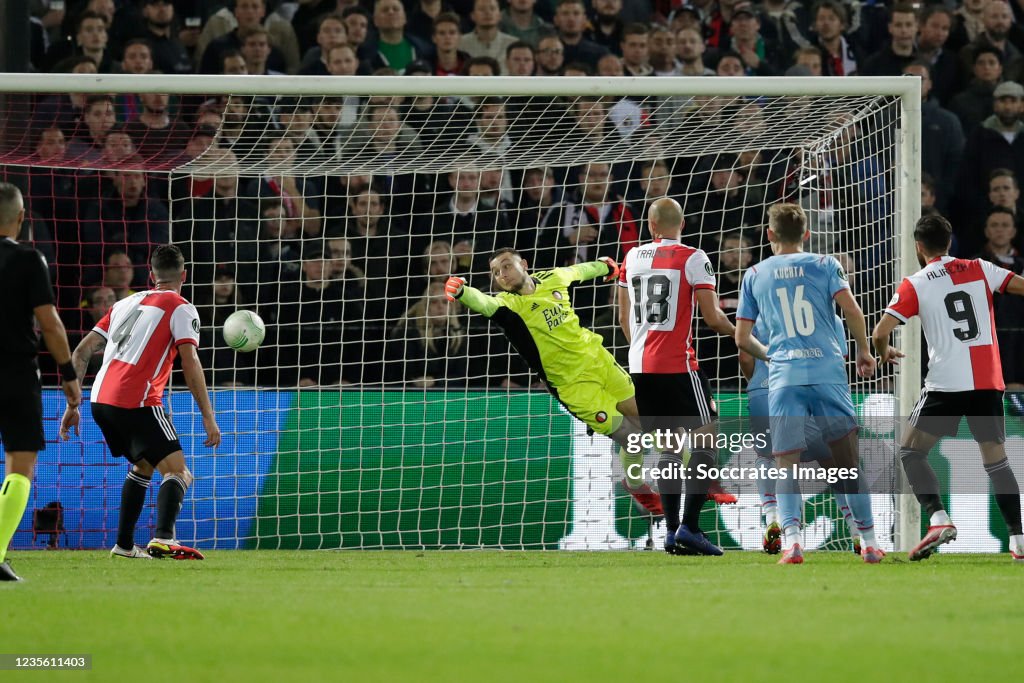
376 414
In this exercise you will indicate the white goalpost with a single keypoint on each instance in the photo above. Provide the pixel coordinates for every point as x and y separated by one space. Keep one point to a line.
375 415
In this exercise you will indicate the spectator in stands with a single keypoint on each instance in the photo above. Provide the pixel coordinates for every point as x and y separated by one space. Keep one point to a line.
50 148
550 56
481 66
233 63
759 57
307 16
65 111
571 22
448 60
330 32
735 253
342 60
727 203
1000 232
98 117
520 20
928 195
690 53
495 191
157 135
784 24
380 134
932 36
973 104
900 52
255 48
662 50
458 219
520 59
490 134
537 197
222 32
429 345
118 146
138 57
839 55
485 40
339 261
1004 192
996 143
655 182
127 218
809 58
634 51
730 64
80 320
302 196
395 47
90 40
118 273
997 20
381 250
942 139
215 301
357 23
169 56
967 23
607 27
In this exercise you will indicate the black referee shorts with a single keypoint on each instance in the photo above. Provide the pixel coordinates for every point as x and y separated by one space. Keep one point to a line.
939 413
674 400
21 408
137 433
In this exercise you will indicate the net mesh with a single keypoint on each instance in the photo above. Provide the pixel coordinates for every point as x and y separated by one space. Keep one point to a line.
375 414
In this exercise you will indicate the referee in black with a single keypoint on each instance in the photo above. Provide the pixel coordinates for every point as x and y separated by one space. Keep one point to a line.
25 284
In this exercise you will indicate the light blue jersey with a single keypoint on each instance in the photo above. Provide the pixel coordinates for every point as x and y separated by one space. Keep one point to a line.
792 297
759 379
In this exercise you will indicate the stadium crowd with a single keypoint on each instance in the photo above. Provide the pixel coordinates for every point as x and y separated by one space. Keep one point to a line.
348 271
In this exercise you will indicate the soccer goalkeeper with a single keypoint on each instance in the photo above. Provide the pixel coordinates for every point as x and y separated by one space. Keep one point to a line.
535 314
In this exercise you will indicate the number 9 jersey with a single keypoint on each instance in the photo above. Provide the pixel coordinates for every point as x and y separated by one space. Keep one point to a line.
143 332
953 297
661 278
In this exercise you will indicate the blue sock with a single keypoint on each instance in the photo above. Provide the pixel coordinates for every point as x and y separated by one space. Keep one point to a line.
791 504
860 506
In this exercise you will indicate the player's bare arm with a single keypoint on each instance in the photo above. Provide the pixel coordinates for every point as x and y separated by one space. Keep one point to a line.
624 313
1015 285
56 339
746 365
746 341
196 381
880 339
92 344
712 313
858 327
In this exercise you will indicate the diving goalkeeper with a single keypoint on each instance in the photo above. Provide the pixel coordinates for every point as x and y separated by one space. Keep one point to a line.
535 314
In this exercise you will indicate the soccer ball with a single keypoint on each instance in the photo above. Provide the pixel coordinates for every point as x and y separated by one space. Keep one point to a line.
244 331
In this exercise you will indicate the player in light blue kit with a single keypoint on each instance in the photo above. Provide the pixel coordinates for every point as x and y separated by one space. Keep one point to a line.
794 294
756 373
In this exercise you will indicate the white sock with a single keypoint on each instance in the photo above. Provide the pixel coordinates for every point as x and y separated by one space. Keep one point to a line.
940 518
771 514
1017 544
792 534
867 538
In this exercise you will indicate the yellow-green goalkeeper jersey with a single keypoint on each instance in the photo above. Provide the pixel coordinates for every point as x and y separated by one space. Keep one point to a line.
542 326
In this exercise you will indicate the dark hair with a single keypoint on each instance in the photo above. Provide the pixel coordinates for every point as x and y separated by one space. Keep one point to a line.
986 49
928 181
835 7
95 99
902 8
355 9
930 11
1003 173
1000 209
489 61
67 66
330 16
519 45
934 233
166 262
139 41
634 29
579 66
447 18
504 250
86 15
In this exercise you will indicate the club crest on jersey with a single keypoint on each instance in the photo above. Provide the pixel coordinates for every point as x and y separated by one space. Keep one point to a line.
708 269
195 325
894 300
557 295
601 417
842 275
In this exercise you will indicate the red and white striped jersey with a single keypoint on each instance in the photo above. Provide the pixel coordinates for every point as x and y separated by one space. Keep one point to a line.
143 332
953 297
662 277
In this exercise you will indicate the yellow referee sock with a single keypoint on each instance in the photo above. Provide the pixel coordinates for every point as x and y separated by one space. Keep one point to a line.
13 499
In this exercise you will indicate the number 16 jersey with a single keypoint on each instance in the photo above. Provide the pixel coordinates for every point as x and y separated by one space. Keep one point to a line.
662 277
143 333
792 296
953 297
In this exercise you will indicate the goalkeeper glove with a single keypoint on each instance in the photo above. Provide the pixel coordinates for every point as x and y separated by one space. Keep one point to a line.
453 287
613 268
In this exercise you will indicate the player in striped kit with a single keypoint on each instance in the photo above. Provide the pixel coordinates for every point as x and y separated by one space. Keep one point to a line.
659 285
953 298
140 336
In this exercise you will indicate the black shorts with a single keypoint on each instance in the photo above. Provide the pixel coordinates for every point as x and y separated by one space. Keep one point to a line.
939 412
137 433
21 408
673 401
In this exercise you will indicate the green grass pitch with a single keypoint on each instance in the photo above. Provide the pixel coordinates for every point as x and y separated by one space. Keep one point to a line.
491 616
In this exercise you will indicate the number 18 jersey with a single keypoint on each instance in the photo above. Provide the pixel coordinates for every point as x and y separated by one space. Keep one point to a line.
791 295
662 277
143 333
953 297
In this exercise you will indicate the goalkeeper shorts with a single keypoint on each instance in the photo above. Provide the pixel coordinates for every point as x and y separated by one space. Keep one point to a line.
593 396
